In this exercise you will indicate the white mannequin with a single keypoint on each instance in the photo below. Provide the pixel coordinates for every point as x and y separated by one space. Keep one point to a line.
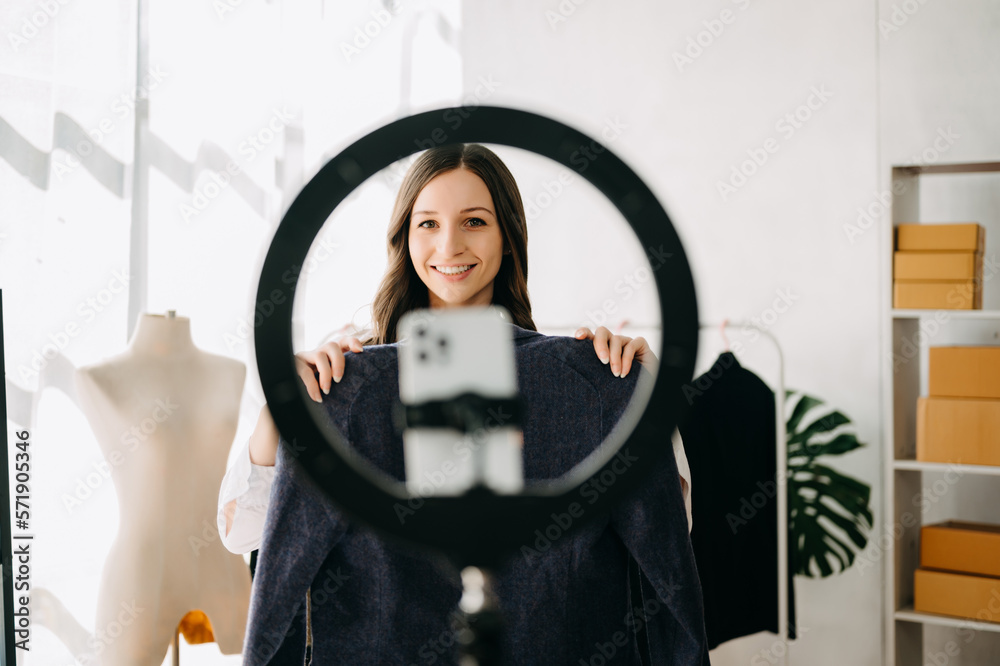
165 414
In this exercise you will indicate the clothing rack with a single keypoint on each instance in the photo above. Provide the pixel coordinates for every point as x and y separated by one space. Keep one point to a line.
781 474
781 471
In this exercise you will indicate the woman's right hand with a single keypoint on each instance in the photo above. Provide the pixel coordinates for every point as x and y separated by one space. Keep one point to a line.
328 361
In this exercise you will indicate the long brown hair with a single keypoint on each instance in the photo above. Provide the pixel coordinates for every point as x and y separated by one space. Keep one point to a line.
401 289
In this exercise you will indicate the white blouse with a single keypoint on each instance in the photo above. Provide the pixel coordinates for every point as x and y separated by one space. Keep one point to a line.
250 485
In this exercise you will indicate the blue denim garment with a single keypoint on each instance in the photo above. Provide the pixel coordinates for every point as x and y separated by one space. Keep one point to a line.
377 602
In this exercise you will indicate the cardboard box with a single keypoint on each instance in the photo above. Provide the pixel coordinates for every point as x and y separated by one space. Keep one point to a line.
966 237
955 594
938 295
961 546
933 266
964 372
959 430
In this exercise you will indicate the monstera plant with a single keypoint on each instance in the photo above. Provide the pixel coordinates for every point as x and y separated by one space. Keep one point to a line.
829 513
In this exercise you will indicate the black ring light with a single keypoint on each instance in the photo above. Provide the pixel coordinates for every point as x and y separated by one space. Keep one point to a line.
479 527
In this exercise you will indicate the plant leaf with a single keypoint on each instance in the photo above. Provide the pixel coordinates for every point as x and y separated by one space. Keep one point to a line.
829 512
825 424
801 407
840 444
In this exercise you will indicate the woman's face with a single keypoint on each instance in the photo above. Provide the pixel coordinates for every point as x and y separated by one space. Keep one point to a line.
453 225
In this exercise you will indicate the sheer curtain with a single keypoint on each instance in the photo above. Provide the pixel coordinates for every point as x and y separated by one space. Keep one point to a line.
246 100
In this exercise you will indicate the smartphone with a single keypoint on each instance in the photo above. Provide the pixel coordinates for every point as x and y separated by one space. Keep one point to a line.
444 353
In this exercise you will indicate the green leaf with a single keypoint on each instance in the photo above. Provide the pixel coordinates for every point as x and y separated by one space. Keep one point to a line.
801 407
848 525
849 500
825 424
830 513
846 481
840 444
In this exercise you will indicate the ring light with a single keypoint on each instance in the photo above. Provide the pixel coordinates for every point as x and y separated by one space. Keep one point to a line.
479 527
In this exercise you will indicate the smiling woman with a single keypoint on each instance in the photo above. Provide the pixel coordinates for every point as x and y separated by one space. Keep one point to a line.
458 207
457 238
456 254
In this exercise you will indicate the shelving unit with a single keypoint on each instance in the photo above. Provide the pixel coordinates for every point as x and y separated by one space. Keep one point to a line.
905 478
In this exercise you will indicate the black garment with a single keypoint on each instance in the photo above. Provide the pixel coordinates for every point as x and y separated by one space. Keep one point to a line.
730 442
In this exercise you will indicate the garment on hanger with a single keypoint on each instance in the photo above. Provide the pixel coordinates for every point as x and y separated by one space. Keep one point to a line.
374 601
730 440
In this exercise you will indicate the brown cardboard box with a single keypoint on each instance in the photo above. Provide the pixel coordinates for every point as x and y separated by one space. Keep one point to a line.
955 594
958 430
928 266
966 237
961 546
938 295
964 372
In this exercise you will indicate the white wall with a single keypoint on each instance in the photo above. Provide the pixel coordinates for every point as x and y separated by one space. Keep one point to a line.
690 122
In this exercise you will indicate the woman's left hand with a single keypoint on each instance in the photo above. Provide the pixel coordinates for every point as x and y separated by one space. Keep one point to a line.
619 350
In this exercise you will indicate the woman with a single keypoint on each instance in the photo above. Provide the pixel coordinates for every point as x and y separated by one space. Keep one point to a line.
457 238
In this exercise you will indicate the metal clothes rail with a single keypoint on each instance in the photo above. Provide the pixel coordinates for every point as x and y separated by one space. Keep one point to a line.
781 480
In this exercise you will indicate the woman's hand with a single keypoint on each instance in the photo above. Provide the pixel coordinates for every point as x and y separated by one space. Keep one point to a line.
619 350
328 361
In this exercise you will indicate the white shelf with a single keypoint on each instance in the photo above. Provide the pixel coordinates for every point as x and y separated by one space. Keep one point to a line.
910 615
921 466
952 314
903 627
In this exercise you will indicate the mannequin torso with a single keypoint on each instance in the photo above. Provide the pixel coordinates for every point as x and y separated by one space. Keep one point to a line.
165 414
